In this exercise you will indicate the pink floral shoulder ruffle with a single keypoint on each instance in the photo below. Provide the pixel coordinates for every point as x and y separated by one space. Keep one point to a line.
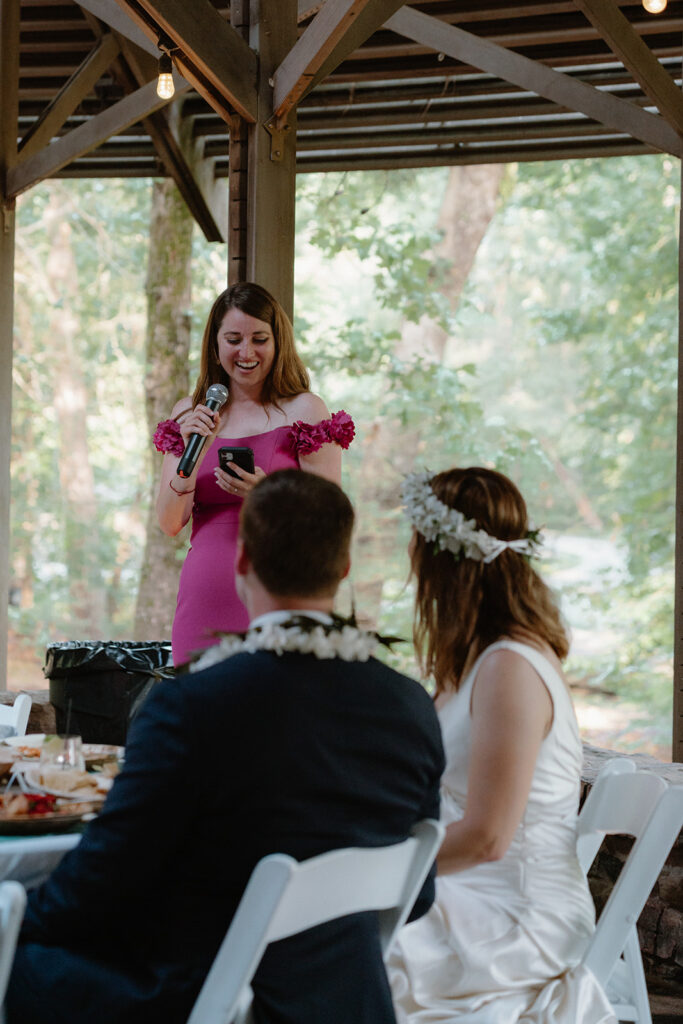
167 437
306 438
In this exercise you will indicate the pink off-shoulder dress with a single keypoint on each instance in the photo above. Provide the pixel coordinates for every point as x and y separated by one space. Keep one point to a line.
207 599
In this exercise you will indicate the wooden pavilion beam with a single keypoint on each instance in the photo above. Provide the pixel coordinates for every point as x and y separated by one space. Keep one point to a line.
238 169
212 56
332 36
271 170
9 117
88 136
44 129
111 14
181 155
636 55
528 74
325 32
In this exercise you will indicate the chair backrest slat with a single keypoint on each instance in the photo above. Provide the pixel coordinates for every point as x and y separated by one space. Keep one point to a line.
12 906
17 714
627 801
284 897
635 882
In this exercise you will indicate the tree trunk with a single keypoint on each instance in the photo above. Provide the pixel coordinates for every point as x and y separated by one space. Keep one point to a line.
468 206
166 380
76 481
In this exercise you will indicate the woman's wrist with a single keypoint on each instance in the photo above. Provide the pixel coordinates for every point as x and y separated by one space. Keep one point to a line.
175 490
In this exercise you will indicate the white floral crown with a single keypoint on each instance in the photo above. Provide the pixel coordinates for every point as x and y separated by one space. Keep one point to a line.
449 529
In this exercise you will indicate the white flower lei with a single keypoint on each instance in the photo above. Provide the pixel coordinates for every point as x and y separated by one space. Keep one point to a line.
450 530
340 639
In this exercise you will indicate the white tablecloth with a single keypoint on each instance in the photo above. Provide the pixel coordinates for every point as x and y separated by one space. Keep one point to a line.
30 859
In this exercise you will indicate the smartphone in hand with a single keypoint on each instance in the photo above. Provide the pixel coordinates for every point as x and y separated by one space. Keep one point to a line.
242 457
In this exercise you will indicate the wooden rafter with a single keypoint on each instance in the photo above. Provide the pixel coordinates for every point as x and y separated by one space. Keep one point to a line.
87 136
211 55
513 67
9 85
627 45
326 30
44 129
181 154
348 34
112 15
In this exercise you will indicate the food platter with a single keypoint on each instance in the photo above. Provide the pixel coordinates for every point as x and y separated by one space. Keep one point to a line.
95 787
60 820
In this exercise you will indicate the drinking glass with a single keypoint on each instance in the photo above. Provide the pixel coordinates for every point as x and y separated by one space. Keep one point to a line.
60 753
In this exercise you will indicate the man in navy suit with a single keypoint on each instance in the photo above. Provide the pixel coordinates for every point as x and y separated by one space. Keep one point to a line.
268 749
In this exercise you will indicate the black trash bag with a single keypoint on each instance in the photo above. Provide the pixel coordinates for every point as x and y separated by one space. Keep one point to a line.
99 686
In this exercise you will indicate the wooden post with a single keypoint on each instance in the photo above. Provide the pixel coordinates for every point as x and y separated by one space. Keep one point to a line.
677 739
238 181
238 170
272 158
9 121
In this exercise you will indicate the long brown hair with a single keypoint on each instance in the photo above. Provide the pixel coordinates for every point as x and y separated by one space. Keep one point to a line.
288 376
463 605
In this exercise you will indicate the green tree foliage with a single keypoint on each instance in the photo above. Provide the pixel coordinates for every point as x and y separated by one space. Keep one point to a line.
106 314
560 369
578 339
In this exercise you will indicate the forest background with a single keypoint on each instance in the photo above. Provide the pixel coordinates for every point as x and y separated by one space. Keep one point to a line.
523 317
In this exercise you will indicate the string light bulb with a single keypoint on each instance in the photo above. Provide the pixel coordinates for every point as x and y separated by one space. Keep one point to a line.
165 86
654 6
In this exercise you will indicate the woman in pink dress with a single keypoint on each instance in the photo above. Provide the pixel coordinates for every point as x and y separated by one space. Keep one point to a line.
248 347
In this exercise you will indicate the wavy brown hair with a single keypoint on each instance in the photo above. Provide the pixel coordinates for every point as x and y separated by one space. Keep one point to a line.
463 605
288 376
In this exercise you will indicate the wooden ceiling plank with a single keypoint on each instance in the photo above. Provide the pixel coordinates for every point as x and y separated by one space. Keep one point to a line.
366 22
48 161
635 54
81 83
112 15
465 155
210 47
513 67
308 53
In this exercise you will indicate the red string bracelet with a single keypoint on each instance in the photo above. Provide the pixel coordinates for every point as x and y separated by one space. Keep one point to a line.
176 491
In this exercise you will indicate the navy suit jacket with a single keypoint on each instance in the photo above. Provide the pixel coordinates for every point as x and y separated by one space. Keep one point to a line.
255 755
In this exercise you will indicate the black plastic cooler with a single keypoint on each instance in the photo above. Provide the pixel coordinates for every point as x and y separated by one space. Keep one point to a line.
100 686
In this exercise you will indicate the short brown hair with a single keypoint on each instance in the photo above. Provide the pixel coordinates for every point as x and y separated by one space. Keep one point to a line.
288 376
463 605
296 531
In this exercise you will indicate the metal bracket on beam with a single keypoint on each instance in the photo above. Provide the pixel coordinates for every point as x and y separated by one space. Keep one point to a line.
278 129
7 212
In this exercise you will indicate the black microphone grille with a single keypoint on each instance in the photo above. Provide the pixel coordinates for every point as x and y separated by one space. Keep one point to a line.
217 393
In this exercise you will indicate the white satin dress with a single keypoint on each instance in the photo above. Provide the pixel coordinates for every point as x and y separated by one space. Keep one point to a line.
502 942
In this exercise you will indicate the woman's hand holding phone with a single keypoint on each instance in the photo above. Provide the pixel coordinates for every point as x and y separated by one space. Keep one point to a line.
236 472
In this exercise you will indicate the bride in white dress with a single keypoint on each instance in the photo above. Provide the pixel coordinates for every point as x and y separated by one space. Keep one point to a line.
513 913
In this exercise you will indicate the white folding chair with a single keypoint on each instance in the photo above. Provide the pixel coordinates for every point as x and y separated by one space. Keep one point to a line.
12 906
626 801
284 897
16 714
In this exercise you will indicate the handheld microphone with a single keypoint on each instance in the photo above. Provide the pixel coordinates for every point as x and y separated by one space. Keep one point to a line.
216 397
